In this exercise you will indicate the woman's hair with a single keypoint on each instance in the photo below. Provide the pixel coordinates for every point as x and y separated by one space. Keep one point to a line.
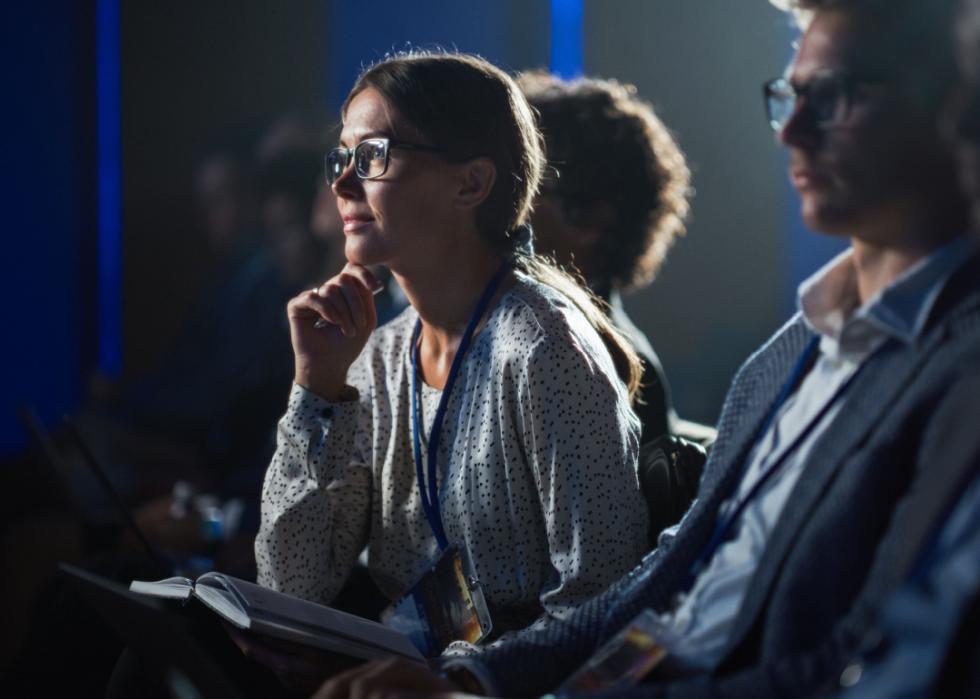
607 146
471 108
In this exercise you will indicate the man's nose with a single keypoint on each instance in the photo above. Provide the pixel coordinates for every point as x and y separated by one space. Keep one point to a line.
800 129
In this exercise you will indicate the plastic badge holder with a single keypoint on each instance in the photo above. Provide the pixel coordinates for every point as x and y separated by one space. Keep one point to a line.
445 605
621 662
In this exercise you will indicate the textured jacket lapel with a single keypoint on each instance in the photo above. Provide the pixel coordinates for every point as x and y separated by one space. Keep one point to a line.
654 583
757 393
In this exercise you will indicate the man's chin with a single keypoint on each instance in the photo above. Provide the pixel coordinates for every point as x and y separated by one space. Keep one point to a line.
825 220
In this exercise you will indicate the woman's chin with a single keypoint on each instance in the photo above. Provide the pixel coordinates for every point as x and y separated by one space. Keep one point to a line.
360 252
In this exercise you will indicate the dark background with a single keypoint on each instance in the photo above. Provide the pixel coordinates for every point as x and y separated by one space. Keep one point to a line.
196 76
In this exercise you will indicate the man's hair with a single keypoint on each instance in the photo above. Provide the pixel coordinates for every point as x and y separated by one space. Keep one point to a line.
605 145
914 34
968 35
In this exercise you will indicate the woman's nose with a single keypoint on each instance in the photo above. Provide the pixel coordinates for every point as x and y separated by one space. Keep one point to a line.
348 184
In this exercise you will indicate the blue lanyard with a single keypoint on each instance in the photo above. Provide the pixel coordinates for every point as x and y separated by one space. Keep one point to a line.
803 364
430 499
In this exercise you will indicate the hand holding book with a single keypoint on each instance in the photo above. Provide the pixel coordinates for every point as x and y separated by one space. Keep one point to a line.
388 677
300 668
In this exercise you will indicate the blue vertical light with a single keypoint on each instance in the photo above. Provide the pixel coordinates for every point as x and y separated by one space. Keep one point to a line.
566 38
109 187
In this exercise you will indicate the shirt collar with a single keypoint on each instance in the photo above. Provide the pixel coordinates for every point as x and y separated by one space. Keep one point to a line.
831 307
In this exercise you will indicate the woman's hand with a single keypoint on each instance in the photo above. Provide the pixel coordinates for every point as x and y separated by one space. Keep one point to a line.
386 679
299 668
329 326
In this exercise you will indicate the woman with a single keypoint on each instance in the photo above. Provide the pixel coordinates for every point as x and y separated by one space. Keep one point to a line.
613 206
535 443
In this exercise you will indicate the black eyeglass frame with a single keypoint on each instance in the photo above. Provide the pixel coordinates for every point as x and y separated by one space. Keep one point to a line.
350 156
782 89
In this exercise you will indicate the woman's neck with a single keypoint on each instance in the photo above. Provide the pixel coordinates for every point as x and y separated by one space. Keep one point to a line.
445 293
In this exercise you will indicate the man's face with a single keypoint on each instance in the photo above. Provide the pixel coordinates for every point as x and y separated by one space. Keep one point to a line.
868 170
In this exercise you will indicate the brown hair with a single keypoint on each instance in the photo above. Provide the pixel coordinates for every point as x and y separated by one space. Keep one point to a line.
471 108
607 146
914 34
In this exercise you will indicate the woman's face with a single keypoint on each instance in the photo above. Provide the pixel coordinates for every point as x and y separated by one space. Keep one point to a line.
397 219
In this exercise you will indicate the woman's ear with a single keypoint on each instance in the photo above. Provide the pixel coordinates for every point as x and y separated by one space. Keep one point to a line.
476 181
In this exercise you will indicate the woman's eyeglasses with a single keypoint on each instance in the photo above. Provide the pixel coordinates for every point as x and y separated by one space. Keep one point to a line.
370 157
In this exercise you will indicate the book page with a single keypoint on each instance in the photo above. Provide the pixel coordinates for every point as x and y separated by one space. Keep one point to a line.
170 588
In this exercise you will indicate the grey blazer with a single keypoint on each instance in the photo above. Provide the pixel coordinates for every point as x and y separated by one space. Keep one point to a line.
800 619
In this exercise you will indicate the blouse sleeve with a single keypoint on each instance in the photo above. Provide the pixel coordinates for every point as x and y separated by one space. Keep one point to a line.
316 500
582 441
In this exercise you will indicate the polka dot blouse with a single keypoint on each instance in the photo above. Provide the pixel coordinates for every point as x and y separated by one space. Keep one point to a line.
536 467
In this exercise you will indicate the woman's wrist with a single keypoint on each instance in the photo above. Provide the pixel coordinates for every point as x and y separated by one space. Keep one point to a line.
330 387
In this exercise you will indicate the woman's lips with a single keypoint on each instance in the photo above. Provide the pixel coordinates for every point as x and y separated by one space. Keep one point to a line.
353 223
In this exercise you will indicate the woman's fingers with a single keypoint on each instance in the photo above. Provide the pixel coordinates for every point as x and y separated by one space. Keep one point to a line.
352 289
368 286
311 306
345 300
370 282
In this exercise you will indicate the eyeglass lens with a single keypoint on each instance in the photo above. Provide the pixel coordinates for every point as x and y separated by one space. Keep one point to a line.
370 160
826 101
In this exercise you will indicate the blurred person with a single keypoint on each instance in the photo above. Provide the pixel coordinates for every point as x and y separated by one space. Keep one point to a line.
612 202
198 413
252 340
764 587
490 417
185 444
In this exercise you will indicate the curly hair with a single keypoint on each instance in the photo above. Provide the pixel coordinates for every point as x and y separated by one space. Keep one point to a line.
607 146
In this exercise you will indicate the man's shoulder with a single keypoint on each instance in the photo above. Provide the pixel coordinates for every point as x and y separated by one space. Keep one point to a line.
776 355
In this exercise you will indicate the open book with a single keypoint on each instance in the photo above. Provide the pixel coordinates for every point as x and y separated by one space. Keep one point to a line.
258 609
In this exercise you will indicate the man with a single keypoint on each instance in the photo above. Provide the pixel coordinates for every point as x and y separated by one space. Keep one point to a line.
765 585
926 639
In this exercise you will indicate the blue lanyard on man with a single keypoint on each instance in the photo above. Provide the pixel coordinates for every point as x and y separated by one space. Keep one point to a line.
725 529
430 495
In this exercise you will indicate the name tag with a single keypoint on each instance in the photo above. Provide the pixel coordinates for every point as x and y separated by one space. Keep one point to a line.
447 604
622 661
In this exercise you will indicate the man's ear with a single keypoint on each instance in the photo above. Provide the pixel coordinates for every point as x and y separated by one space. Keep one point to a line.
476 180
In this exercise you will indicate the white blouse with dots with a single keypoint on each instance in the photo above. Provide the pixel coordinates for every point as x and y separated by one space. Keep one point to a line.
537 466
